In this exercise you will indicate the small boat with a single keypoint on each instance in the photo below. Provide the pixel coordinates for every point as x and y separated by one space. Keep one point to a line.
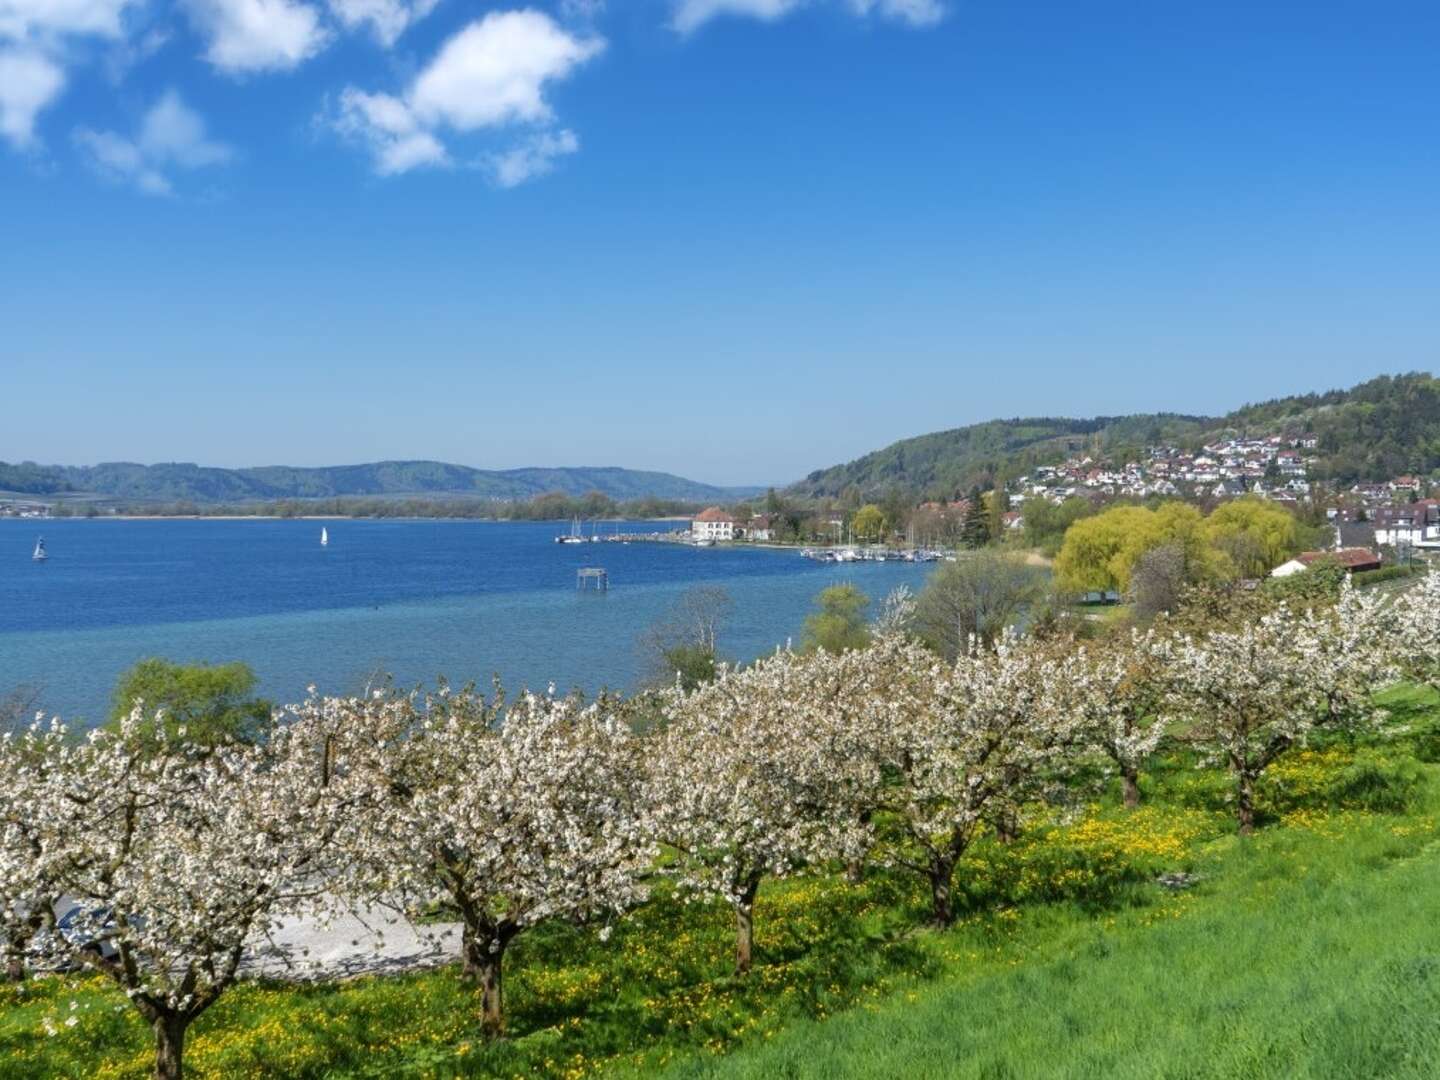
40 553
575 537
324 536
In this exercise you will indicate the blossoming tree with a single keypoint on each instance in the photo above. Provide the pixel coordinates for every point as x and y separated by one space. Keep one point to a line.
1115 691
972 742
1412 630
509 812
175 856
767 771
1246 696
28 862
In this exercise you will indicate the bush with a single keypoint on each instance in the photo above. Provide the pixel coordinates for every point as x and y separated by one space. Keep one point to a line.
1389 573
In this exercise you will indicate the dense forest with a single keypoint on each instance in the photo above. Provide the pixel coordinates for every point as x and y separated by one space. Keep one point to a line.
1374 431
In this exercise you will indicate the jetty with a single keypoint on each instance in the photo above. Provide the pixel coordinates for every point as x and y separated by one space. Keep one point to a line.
592 578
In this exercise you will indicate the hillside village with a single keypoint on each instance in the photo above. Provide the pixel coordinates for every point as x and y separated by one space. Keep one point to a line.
1276 467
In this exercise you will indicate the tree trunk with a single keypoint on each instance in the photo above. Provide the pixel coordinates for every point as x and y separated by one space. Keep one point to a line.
942 905
745 926
855 868
1130 781
169 1031
1245 803
468 970
1007 827
481 966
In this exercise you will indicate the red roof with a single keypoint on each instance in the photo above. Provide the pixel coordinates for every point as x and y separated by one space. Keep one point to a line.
1350 558
714 513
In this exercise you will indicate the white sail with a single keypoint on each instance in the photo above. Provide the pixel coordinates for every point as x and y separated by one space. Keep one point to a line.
324 536
40 554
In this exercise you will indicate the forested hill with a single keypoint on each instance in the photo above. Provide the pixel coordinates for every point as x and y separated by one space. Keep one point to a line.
1374 431
200 484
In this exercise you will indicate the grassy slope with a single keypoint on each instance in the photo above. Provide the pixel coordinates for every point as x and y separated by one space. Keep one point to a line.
1312 950
1314 959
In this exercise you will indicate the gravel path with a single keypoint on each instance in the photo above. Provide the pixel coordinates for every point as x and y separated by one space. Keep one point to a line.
372 942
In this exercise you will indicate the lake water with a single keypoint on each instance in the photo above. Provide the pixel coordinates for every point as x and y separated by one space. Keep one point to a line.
413 599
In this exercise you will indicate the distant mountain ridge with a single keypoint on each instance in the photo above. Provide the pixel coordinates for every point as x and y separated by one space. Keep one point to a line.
1374 431
385 479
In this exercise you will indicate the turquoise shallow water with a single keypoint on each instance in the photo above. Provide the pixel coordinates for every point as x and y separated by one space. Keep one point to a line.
414 600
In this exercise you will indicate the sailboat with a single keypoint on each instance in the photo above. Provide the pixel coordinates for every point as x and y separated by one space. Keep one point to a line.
40 555
575 537
324 536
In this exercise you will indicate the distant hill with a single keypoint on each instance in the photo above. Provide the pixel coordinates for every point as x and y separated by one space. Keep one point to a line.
201 484
1374 431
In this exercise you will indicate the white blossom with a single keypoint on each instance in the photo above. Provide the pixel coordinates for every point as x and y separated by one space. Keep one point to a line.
766 771
173 856
509 812
1245 696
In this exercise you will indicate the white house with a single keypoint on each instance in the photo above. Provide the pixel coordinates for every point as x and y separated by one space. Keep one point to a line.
713 524
760 528
1417 524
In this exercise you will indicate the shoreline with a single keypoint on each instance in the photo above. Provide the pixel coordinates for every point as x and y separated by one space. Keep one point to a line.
319 517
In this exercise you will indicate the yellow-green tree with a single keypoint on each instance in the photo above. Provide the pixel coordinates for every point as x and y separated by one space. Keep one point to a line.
868 523
1253 536
839 624
1101 552
1243 538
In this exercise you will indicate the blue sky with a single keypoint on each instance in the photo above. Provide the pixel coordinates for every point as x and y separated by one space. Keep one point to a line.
734 239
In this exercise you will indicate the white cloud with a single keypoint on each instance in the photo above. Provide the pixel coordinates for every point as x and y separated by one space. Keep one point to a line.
29 82
42 19
914 12
582 10
690 15
391 130
533 157
171 136
388 19
490 75
33 39
257 35
494 71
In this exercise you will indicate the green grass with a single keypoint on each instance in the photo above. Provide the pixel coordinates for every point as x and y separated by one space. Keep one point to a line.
1304 954
1311 950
